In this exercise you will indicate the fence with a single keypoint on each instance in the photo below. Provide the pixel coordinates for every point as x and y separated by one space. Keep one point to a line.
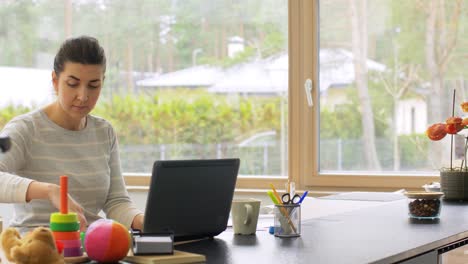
348 155
261 159
265 158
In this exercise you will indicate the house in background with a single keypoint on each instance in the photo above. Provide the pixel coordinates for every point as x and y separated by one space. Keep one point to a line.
412 116
267 77
25 86
336 73
201 76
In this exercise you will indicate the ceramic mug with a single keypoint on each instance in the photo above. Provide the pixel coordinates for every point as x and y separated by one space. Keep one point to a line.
244 213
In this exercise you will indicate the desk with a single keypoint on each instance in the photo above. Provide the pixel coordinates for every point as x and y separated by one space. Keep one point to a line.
345 232
372 234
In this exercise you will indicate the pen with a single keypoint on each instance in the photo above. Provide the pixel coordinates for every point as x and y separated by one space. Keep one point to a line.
291 187
272 197
275 193
304 195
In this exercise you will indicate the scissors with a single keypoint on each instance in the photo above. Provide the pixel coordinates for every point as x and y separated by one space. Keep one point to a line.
287 199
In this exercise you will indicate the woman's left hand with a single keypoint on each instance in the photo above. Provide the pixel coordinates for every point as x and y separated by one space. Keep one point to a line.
137 222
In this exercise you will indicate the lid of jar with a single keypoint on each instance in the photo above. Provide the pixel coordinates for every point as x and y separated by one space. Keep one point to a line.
424 195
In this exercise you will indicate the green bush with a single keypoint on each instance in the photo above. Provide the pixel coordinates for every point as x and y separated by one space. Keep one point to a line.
181 116
10 111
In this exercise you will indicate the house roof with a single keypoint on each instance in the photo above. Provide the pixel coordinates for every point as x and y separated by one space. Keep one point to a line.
337 68
267 76
198 76
29 86
252 77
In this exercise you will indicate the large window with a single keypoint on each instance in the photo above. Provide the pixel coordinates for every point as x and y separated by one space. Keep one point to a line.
212 79
185 79
386 70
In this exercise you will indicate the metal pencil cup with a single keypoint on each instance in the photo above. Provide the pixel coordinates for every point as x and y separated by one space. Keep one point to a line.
287 220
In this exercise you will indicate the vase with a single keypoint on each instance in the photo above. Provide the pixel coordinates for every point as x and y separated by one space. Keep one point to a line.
454 185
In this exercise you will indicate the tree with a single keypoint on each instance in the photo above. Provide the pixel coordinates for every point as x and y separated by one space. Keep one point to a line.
18 30
442 21
397 83
358 16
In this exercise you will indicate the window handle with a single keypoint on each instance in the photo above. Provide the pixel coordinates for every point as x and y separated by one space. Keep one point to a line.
308 91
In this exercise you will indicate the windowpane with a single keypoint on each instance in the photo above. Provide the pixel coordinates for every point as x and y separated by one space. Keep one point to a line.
185 79
388 69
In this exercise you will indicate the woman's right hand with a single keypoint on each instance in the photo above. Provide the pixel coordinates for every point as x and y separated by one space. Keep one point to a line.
53 195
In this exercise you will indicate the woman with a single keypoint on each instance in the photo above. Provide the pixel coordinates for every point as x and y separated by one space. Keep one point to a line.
64 139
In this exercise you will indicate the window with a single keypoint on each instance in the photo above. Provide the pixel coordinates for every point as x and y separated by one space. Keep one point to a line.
185 79
204 79
386 69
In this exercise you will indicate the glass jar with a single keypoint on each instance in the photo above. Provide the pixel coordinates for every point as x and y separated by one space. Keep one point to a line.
424 205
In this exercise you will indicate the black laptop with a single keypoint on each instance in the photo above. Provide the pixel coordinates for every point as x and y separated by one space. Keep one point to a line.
191 198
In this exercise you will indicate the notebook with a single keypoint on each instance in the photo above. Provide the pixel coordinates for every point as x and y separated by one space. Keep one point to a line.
191 198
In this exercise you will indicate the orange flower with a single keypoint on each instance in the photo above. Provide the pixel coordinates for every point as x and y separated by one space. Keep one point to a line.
454 120
454 125
465 121
453 128
464 106
436 131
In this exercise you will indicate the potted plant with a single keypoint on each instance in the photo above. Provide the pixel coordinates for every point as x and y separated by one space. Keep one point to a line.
453 180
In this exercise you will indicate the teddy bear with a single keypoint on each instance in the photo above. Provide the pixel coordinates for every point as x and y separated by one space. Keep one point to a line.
37 247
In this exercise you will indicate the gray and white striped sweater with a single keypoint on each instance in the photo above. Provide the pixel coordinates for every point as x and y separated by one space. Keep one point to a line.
42 151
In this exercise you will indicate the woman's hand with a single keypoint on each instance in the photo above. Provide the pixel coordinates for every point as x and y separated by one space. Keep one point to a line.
53 195
137 222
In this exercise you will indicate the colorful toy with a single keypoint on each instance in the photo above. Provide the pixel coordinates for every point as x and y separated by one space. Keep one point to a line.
65 226
37 247
107 241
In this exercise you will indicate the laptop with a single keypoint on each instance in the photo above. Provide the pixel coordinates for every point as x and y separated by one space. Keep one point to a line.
191 198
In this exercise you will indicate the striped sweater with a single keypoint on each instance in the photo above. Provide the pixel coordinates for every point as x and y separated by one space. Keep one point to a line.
42 151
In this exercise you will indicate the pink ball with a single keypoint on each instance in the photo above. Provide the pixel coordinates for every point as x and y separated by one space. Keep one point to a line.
107 241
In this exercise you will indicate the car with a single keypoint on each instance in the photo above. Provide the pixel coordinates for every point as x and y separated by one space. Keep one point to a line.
267 138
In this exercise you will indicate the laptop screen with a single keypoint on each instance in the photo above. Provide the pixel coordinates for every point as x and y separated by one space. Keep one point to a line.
191 198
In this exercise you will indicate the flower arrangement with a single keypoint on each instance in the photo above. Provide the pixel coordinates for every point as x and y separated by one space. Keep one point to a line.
453 125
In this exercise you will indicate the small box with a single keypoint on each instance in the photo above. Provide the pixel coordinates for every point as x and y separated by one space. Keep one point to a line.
151 244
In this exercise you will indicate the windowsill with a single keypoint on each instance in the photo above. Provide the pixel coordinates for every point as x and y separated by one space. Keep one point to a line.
137 181
246 191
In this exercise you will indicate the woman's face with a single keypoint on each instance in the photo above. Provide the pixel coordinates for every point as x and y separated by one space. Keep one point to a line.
78 88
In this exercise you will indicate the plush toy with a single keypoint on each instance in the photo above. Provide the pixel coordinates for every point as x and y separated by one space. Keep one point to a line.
37 247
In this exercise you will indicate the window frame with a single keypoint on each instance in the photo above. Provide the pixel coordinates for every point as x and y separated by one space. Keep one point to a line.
303 124
306 147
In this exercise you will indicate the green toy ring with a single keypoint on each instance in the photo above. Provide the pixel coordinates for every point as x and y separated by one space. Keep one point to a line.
63 218
64 227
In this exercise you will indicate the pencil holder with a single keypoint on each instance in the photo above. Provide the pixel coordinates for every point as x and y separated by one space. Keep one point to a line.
287 220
